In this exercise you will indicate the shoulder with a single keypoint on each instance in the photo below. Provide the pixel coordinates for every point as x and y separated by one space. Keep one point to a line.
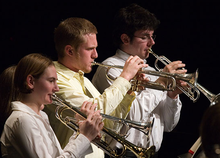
44 115
20 122
21 118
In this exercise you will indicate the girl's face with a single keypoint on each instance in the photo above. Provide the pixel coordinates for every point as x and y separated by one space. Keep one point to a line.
45 86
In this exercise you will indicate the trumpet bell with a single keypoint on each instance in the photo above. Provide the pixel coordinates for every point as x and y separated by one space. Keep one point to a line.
190 78
215 100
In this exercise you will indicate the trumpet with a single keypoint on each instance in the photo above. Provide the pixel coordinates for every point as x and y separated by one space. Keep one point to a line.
187 91
190 78
72 123
214 99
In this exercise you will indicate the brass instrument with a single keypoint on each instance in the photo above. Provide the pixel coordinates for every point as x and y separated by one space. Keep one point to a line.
191 78
214 99
187 91
72 123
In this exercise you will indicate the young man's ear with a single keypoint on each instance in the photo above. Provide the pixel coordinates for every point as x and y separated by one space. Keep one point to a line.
30 81
125 39
69 50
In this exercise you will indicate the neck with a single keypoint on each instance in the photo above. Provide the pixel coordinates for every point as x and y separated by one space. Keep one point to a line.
68 64
28 100
126 50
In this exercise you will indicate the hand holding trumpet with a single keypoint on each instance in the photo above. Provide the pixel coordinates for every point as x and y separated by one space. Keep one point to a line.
132 65
175 67
190 79
91 126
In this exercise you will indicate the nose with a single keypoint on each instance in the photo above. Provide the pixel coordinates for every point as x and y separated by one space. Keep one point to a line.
94 54
151 42
56 88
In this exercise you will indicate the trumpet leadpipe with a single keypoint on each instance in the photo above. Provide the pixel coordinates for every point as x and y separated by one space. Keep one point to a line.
107 66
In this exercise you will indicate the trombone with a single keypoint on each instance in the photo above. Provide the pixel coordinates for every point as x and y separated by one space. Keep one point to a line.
72 123
190 78
188 92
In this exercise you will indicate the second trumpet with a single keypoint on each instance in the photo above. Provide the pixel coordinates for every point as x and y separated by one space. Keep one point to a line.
170 86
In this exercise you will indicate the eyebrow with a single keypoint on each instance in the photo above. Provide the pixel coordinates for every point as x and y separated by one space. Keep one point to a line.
53 78
147 34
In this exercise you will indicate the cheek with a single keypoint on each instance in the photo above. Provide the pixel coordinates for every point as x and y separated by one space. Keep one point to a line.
138 46
44 88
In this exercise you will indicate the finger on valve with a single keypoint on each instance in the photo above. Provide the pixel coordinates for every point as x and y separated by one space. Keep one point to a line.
131 67
92 125
175 67
88 107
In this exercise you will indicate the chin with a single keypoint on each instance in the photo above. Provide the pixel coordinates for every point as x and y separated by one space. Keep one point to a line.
48 101
146 56
87 71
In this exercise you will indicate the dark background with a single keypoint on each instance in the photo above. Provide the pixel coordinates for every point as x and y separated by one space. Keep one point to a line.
189 31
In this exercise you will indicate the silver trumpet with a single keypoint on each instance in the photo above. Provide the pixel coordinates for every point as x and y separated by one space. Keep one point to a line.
190 78
214 99
192 92
72 123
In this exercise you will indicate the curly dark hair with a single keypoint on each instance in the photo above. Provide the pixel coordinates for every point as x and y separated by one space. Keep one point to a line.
130 19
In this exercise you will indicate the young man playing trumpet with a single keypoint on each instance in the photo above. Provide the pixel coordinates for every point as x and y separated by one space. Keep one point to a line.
75 41
134 35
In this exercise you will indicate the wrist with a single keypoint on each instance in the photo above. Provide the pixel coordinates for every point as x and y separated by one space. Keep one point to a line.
130 92
172 95
125 77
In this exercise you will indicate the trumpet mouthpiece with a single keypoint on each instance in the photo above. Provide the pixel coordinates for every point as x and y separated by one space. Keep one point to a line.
93 63
150 50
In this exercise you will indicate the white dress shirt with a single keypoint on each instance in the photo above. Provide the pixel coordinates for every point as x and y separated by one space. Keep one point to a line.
166 111
27 134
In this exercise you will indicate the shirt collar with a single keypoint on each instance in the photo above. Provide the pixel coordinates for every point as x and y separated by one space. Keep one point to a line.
66 72
69 74
19 106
